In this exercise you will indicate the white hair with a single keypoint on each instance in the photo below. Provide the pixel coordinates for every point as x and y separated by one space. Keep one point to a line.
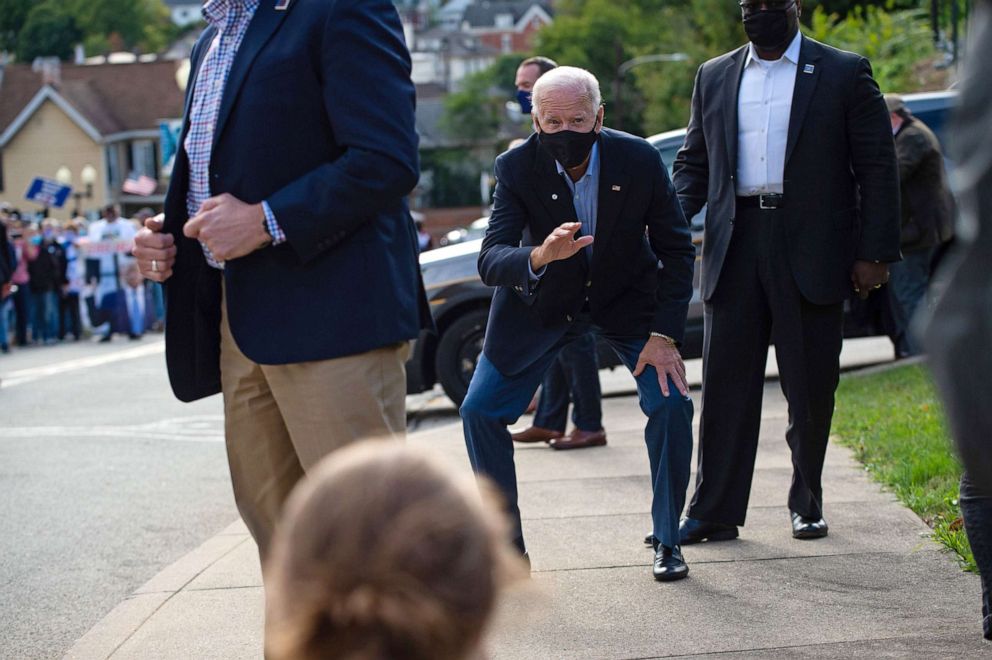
572 79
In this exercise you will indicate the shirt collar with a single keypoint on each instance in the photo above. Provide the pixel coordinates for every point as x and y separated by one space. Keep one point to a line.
217 11
592 170
791 53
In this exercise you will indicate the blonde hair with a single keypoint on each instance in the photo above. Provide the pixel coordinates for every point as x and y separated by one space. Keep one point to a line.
384 553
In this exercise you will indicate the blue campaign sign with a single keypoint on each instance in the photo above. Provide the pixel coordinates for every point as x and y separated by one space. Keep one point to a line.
47 192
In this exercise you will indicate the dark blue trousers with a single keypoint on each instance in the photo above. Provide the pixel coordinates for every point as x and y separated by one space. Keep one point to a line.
574 377
495 401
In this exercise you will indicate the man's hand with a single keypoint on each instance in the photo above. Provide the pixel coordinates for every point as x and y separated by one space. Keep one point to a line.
229 227
560 244
867 276
667 361
151 245
4 291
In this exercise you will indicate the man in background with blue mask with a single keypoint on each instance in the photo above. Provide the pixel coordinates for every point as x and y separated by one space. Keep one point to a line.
527 74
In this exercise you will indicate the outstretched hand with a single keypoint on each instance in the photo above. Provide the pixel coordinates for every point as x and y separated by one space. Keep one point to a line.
560 244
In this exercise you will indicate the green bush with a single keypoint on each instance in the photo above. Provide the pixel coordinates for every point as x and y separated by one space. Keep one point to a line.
894 42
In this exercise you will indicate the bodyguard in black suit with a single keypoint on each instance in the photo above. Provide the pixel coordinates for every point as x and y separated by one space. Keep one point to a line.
586 234
790 146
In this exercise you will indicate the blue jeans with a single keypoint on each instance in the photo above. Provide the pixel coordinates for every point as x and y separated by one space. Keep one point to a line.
494 401
46 315
574 377
908 280
4 328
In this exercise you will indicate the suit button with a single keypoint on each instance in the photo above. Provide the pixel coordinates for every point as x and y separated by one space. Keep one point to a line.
588 284
568 317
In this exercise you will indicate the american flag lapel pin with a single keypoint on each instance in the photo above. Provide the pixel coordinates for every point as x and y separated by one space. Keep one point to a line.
808 68
282 5
615 188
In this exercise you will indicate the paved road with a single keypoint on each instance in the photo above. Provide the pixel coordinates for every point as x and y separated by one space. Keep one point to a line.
105 479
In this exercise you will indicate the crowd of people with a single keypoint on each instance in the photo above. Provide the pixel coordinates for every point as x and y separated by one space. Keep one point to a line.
65 281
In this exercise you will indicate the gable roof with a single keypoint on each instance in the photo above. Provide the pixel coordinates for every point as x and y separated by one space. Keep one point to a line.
483 14
103 99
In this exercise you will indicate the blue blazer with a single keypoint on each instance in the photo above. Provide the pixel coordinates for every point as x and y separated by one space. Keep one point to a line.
317 118
639 279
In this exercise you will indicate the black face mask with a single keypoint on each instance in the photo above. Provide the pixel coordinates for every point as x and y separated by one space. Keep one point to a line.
570 148
769 29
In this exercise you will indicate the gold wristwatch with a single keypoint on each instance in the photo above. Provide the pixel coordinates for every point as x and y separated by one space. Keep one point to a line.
669 340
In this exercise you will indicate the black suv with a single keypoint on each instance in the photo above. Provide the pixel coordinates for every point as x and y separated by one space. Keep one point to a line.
460 301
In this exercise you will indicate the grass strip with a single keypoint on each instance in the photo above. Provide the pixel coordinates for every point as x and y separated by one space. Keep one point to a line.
895 424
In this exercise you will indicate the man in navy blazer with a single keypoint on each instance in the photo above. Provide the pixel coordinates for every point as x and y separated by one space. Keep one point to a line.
287 250
586 234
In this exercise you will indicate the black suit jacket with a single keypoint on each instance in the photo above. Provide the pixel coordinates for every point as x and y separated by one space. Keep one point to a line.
317 118
841 182
640 276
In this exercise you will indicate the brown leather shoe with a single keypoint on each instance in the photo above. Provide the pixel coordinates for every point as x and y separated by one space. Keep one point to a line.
579 439
536 434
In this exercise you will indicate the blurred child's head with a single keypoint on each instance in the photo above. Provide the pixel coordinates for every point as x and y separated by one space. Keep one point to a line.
384 553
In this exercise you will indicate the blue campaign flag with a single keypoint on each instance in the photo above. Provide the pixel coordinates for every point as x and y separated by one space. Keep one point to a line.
48 192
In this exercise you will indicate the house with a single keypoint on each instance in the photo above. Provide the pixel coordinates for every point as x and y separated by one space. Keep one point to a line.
184 12
445 57
105 119
506 25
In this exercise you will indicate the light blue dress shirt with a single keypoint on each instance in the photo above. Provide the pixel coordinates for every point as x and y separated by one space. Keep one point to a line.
585 199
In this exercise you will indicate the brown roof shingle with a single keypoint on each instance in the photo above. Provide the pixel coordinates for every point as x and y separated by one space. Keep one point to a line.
112 97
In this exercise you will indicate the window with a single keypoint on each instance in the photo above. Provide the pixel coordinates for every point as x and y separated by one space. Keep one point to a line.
142 160
113 166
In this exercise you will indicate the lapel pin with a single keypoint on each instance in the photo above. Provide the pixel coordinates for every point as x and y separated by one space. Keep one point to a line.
554 195
282 5
806 69
615 188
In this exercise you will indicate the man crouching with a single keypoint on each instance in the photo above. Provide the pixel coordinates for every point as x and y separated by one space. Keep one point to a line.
568 252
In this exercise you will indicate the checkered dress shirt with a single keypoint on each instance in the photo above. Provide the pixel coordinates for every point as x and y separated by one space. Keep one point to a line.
231 18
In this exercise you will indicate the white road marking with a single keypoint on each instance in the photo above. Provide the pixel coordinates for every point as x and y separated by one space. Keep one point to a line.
15 378
195 428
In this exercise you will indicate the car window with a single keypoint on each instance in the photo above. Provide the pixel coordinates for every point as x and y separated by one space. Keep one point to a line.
668 155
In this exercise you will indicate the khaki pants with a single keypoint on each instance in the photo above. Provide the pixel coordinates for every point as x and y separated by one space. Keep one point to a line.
280 420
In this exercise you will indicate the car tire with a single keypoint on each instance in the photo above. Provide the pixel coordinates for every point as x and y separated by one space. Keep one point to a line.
458 353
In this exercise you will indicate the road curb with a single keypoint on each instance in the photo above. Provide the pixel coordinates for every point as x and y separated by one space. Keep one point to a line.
114 629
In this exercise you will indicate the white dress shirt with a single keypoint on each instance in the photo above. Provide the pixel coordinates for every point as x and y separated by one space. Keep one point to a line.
764 104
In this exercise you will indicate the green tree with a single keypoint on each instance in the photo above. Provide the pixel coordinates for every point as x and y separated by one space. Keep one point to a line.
477 111
129 24
49 31
13 13
897 44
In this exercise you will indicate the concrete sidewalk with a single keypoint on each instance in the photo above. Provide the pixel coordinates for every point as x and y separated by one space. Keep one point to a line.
876 587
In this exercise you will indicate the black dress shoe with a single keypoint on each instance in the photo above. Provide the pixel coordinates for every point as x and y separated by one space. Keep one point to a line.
696 531
808 528
669 564
651 540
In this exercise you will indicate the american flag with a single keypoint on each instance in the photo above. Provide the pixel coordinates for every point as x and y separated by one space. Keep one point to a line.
142 186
